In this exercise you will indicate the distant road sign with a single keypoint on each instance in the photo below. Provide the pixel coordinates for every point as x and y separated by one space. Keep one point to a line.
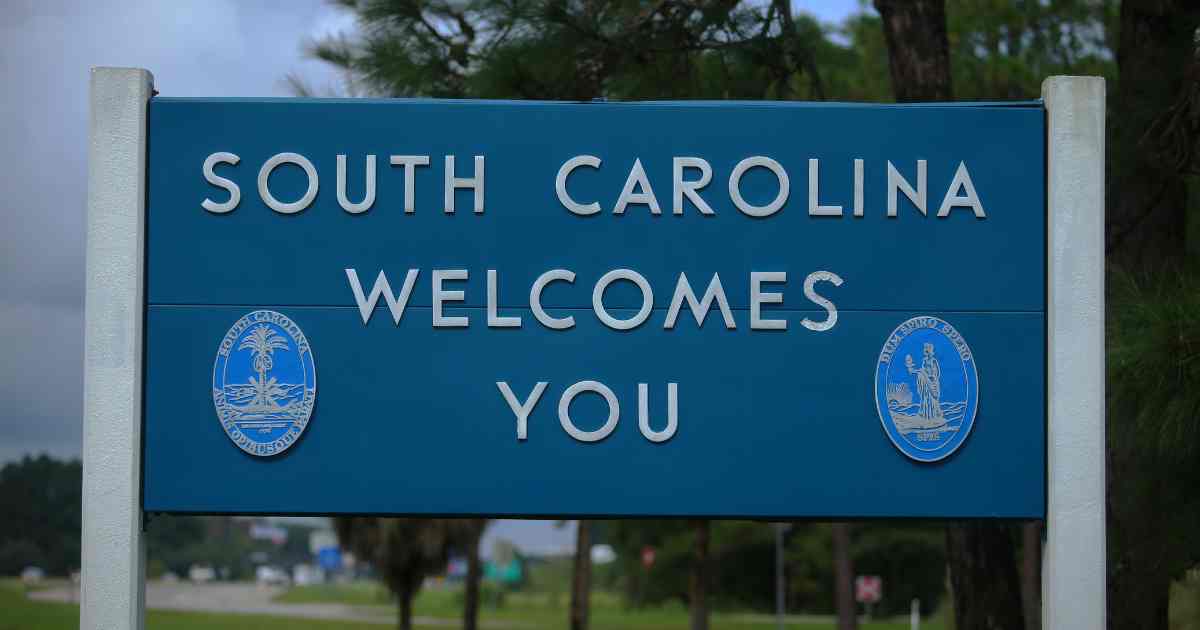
330 558
868 589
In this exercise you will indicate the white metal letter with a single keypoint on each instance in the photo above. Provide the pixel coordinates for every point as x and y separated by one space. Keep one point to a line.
235 193
366 305
672 413
264 176
474 183
637 179
598 299
522 410
409 162
368 196
962 180
858 187
683 291
810 292
735 182
535 299
896 183
441 296
564 411
758 298
493 306
560 185
690 189
815 209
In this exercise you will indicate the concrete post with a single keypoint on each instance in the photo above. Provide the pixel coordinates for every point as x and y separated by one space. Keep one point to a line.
1073 572
113 562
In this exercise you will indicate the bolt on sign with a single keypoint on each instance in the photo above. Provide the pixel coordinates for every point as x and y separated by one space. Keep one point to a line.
555 309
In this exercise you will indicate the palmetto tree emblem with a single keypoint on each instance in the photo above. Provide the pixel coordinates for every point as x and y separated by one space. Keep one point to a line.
264 383
262 343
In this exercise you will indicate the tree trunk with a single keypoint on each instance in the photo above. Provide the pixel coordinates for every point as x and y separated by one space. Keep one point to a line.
983 576
474 574
1141 557
983 572
918 50
843 576
1031 574
581 585
699 579
981 556
1147 196
404 599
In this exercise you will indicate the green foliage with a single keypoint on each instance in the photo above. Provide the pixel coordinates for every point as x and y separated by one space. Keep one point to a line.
667 577
566 49
909 557
809 558
1154 367
858 71
175 542
709 49
741 563
1153 329
42 523
42 499
1003 49
17 554
404 551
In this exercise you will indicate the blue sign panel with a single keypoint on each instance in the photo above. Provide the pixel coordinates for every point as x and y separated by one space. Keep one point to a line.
750 310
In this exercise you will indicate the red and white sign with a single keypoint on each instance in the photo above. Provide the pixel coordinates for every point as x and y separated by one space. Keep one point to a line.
868 589
648 556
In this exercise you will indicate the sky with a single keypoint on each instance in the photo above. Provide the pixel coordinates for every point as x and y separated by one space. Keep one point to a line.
213 48
208 48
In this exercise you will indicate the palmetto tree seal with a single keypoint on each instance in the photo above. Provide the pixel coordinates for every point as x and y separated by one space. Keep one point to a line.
264 383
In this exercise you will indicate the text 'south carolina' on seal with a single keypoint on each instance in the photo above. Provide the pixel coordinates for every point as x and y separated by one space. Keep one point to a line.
926 388
264 383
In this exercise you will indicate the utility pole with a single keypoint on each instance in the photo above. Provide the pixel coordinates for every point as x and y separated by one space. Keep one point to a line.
780 601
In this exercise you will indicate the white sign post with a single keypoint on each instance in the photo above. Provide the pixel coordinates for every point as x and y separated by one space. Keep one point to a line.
113 561
1073 574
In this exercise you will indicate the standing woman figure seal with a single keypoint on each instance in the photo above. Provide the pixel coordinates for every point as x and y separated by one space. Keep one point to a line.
929 386
927 409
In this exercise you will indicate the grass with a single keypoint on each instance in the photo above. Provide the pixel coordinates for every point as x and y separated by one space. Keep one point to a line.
1185 603
17 612
519 610
360 593
549 610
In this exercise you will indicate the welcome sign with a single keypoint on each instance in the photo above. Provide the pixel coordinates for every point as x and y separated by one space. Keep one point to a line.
557 309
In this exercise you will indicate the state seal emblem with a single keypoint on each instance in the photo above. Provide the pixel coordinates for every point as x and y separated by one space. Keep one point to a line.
264 383
926 388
